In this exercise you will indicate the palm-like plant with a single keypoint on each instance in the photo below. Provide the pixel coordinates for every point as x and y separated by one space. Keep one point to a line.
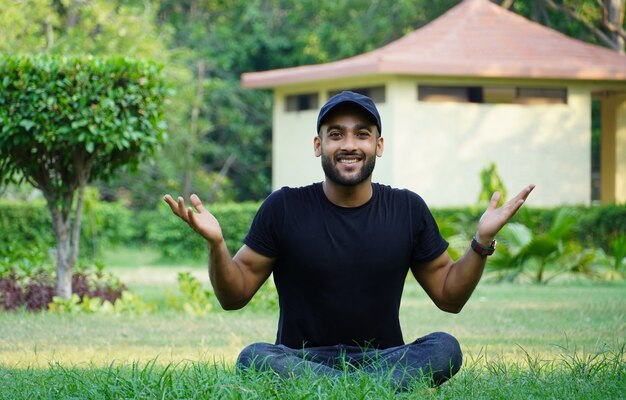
520 249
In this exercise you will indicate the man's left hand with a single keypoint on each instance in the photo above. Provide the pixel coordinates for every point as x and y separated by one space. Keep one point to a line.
495 218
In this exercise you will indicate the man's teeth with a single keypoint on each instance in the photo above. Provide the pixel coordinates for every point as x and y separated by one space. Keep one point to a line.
348 160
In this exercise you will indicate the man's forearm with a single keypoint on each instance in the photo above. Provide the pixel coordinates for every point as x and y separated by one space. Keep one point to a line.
464 276
225 275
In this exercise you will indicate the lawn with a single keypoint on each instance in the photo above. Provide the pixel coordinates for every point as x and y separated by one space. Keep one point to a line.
519 341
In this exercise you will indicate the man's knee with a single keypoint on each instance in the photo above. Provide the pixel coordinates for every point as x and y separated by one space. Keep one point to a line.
450 348
446 357
254 355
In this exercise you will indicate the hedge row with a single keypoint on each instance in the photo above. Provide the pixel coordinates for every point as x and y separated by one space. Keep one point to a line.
109 224
597 225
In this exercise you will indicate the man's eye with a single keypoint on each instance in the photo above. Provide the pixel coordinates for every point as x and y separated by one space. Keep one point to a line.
364 133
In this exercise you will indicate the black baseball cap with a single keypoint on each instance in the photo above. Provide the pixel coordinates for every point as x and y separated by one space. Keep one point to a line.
350 97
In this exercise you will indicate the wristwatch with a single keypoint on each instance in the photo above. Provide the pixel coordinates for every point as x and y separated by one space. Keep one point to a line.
483 250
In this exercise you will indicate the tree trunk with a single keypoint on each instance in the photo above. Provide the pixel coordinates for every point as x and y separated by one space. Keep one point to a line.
75 227
220 177
61 223
507 4
195 112
614 21
67 232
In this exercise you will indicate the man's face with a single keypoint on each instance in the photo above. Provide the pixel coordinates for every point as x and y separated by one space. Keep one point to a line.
348 143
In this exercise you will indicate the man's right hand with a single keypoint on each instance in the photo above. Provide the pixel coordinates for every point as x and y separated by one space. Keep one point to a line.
201 221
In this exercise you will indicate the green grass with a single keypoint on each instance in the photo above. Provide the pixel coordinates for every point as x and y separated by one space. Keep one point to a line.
600 377
519 341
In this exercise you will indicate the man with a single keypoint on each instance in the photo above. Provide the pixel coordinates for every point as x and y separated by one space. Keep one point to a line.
340 251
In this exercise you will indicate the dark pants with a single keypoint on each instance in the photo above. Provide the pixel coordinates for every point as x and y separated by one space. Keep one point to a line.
435 357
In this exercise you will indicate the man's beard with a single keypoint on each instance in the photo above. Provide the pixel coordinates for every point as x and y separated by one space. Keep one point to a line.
333 174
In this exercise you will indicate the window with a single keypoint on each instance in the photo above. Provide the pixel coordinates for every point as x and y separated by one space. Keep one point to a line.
541 96
376 93
491 94
301 102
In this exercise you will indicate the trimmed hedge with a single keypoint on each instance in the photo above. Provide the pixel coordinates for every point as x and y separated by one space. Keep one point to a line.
597 225
103 224
176 240
106 224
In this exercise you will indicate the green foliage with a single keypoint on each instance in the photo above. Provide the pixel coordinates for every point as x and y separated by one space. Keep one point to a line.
572 375
619 251
230 37
78 117
22 260
265 299
65 121
118 27
176 240
522 251
586 20
491 183
27 226
193 300
600 225
129 303
596 225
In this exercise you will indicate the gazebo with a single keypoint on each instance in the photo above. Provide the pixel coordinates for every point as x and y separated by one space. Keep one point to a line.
478 85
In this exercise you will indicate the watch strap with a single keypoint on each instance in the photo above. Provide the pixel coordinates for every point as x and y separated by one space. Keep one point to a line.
483 250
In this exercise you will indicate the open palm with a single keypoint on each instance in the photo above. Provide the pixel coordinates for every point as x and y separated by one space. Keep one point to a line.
495 218
201 221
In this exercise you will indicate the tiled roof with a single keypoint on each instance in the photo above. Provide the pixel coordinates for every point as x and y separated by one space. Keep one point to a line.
474 39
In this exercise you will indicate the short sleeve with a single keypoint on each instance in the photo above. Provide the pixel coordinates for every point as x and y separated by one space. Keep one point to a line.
263 234
428 242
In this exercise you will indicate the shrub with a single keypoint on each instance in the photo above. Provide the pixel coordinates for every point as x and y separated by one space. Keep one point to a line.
69 120
176 240
104 224
596 226
27 280
192 299
128 303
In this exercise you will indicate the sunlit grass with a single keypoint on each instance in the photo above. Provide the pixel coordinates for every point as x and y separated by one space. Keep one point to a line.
569 376
503 322
519 341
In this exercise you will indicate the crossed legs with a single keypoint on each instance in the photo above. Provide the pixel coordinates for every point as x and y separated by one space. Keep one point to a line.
436 357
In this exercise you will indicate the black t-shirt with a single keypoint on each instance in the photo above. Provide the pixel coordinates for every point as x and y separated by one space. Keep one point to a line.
340 271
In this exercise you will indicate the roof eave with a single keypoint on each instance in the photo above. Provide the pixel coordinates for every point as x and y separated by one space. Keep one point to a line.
325 72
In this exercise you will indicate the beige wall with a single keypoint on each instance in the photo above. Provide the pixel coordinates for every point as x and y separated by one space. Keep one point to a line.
438 149
442 148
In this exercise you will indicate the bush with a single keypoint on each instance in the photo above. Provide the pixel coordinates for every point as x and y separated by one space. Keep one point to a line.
107 224
104 224
27 280
597 226
177 240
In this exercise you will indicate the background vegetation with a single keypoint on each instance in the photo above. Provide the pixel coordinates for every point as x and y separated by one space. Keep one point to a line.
220 134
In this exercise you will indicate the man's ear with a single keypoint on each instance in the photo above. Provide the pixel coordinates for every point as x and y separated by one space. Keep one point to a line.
317 146
380 146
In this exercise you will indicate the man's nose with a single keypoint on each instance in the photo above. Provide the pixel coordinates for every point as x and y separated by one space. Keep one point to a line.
349 142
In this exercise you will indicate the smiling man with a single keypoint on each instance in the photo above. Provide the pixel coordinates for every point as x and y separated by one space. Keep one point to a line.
340 251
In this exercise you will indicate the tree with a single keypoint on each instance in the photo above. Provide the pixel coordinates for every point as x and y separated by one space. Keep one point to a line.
244 36
596 21
67 121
